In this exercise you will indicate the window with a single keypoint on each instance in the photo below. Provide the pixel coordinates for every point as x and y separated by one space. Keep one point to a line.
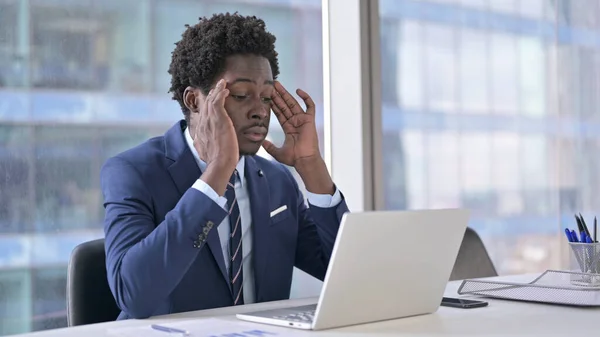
92 81
505 160
88 45
15 305
534 9
440 71
476 4
65 158
504 6
534 174
15 163
443 174
50 292
415 162
532 65
503 55
473 71
409 77
170 18
391 57
13 47
476 162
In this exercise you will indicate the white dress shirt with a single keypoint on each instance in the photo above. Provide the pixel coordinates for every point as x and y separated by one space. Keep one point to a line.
242 196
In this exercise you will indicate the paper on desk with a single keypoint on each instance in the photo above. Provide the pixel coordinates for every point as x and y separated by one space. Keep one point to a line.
208 327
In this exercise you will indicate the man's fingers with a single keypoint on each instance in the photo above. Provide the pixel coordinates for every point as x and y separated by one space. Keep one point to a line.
207 100
219 102
281 105
310 104
217 99
271 149
280 116
289 100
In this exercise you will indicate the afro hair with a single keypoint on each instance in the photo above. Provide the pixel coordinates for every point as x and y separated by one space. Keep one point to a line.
199 57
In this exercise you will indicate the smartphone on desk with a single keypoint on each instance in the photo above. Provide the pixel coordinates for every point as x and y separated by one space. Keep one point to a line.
462 303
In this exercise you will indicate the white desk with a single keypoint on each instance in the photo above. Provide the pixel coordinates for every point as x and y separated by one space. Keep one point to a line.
500 318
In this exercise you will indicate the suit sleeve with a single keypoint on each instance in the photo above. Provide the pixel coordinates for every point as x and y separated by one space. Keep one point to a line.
145 262
317 231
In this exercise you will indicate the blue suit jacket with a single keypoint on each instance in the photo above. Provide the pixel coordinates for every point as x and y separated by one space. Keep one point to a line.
163 254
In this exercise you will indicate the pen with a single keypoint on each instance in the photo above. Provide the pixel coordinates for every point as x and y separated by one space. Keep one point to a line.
568 234
579 225
585 228
574 236
170 330
595 230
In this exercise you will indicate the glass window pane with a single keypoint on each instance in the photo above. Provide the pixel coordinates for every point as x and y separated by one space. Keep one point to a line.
98 86
478 4
505 159
392 58
85 46
410 70
532 8
63 166
506 6
526 132
476 174
534 162
120 48
416 170
169 20
440 58
474 74
15 181
15 301
50 292
504 70
532 64
14 49
444 165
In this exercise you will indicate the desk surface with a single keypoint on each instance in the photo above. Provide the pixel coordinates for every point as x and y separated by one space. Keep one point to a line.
500 318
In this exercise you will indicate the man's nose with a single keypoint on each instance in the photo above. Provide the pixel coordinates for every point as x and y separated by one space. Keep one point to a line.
259 111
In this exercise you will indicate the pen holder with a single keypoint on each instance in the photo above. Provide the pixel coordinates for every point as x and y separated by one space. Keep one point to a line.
585 259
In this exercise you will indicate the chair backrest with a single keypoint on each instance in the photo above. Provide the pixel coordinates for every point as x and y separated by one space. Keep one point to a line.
473 260
89 299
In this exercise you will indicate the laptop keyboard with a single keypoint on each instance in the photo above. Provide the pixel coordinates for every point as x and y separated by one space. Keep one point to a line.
301 316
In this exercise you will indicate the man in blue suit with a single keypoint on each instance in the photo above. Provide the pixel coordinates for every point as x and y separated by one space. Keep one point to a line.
194 220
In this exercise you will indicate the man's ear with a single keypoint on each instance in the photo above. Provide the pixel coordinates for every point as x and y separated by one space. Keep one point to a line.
193 99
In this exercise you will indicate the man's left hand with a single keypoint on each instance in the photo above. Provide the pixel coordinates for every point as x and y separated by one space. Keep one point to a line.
300 148
301 141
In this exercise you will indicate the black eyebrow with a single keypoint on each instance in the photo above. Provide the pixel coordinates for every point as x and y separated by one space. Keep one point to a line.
242 79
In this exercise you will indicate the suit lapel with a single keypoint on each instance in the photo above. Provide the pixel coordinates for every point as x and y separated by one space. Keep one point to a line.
185 171
258 189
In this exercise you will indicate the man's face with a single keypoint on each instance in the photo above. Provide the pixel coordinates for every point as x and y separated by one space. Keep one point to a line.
250 83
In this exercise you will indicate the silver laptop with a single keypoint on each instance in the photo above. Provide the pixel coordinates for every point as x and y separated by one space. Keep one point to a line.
385 265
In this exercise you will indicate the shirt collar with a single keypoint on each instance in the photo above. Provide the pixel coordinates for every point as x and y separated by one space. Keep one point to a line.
202 165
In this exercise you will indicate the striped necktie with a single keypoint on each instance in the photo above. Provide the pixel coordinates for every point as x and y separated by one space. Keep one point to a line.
235 243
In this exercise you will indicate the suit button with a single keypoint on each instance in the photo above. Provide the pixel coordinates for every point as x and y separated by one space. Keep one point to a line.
201 237
210 224
197 244
205 230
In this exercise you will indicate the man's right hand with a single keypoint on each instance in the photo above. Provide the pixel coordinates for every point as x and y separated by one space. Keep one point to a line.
215 139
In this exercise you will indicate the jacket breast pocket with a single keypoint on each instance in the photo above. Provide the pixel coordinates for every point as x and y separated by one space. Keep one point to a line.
280 216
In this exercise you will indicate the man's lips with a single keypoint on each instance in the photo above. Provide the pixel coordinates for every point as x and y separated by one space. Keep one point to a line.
256 133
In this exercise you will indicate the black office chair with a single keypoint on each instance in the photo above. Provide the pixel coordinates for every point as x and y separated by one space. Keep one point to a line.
89 299
473 260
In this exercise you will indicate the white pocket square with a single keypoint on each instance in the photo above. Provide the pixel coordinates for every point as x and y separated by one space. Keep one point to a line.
279 210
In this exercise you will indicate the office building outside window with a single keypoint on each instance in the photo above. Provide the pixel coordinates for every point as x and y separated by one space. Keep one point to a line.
81 81
492 105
